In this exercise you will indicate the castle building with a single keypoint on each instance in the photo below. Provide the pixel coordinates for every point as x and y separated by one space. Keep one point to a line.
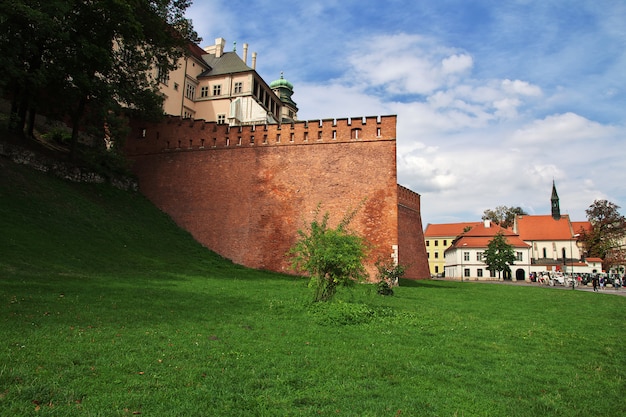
215 85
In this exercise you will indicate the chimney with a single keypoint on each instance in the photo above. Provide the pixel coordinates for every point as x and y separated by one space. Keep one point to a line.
219 47
253 60
245 53
487 224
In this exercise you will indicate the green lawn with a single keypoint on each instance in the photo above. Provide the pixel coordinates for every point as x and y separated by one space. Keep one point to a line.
108 309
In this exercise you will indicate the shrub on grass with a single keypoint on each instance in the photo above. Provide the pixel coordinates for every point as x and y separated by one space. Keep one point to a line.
333 257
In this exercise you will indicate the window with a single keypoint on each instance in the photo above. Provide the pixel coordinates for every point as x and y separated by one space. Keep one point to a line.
355 133
204 91
436 269
221 119
436 243
176 86
466 256
545 254
519 256
428 243
479 256
190 91
479 272
445 242
436 255
217 90
163 76
238 87
492 273
466 272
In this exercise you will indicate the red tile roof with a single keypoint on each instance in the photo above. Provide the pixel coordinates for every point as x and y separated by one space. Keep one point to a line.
543 227
447 229
480 236
581 226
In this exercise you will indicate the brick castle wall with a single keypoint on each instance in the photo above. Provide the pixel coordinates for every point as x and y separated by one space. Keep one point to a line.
244 192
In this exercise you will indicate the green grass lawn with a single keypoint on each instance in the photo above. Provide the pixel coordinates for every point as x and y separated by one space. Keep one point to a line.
108 309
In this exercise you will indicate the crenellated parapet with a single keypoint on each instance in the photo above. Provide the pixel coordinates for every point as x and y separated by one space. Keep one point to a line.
408 198
178 134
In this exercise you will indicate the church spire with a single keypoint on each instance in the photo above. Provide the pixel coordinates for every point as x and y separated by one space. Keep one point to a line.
556 211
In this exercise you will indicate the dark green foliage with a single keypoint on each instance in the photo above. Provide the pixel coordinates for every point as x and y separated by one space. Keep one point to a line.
499 255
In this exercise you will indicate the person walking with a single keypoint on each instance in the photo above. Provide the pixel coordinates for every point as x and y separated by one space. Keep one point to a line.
594 281
601 282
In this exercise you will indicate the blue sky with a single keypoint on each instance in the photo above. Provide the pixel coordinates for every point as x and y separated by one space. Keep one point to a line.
495 99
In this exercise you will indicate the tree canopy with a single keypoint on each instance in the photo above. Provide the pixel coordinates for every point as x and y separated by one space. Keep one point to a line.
503 215
499 254
606 238
76 58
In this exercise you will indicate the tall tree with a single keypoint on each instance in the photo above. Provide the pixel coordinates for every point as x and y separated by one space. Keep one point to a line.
90 57
503 215
499 254
605 240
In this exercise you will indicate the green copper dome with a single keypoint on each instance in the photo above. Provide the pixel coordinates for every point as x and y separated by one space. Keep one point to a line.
281 83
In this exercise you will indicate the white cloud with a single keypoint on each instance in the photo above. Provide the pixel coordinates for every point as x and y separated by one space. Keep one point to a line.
559 128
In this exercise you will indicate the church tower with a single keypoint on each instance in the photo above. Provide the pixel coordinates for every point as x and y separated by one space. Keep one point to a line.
556 211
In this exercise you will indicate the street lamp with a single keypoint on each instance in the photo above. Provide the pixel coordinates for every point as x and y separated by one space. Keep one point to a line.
571 251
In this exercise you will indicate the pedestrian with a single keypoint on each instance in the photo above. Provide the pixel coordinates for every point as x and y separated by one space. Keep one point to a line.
594 281
601 282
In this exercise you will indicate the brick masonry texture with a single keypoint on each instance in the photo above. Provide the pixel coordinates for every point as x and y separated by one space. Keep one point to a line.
244 192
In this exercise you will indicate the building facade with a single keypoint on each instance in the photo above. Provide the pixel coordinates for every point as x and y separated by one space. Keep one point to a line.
215 85
440 237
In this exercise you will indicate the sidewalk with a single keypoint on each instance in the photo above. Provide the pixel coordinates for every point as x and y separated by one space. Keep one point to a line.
610 290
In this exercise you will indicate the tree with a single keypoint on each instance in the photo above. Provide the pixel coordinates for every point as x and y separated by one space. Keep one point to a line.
606 237
503 215
90 58
499 254
332 257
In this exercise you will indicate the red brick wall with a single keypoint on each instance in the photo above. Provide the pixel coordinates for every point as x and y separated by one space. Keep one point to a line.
412 248
244 192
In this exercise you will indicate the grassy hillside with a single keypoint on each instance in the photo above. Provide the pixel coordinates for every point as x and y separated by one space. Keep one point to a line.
108 309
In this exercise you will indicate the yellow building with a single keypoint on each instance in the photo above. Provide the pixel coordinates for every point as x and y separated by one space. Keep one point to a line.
438 238
214 85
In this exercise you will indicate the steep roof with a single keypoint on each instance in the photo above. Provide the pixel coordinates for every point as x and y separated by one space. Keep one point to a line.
543 227
481 234
580 226
228 63
447 229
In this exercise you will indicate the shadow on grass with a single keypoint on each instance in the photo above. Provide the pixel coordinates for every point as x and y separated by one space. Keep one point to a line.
427 283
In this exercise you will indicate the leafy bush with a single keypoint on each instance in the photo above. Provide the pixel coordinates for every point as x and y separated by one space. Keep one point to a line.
332 257
389 273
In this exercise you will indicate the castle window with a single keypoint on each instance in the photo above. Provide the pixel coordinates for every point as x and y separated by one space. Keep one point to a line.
201 143
378 132
265 139
217 90
355 133
204 91
278 138
214 142
163 76
306 136
334 134
190 91
238 87
251 140
239 141
221 119
227 142
291 137
319 135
